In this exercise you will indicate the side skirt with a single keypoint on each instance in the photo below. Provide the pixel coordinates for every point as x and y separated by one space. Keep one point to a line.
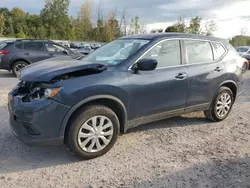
157 117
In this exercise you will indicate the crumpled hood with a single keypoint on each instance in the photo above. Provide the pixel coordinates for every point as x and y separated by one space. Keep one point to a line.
45 71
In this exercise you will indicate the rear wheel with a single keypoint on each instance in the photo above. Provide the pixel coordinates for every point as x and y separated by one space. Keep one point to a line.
17 66
221 105
93 132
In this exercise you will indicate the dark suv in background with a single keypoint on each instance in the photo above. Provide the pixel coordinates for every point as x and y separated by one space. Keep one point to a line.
87 103
17 54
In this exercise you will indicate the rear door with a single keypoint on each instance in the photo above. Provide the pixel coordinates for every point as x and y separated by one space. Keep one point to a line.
33 51
205 69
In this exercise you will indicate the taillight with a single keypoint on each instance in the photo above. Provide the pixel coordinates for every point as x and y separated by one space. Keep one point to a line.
245 66
4 52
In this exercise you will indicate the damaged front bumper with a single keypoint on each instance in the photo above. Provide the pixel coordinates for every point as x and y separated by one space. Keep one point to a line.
36 122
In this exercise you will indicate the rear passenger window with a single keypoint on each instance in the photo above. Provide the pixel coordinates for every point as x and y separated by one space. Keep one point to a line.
167 53
36 46
198 51
19 46
219 50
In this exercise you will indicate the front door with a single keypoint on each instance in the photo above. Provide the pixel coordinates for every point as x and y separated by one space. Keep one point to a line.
163 89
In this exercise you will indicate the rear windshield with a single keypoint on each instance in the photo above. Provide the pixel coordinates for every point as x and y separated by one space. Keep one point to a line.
2 45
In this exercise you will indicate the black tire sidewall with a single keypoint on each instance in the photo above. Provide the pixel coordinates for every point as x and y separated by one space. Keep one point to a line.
15 64
220 92
77 123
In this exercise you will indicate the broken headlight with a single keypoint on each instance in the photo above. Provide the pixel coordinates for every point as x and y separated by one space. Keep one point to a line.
39 93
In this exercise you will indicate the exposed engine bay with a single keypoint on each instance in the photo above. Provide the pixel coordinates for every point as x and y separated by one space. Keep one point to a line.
31 91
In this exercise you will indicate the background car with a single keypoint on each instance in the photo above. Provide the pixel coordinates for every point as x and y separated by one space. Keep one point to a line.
94 46
243 50
14 55
85 50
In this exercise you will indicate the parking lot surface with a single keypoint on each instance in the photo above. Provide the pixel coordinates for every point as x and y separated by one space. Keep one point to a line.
185 151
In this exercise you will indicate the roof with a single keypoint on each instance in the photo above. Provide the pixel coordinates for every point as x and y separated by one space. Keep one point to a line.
154 36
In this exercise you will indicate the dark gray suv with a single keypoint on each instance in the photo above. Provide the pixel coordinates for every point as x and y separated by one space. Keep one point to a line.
17 54
87 103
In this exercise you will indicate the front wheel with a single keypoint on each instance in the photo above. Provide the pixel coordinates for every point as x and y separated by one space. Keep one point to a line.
93 132
221 105
17 66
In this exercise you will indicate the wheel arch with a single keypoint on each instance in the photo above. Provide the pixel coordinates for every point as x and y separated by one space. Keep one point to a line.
230 84
16 60
107 100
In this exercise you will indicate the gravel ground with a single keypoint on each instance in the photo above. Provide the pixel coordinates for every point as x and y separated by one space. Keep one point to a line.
186 151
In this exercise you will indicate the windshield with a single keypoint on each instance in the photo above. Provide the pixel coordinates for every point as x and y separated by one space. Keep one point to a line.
115 52
242 49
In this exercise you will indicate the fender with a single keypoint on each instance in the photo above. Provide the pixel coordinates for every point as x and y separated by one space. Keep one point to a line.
86 100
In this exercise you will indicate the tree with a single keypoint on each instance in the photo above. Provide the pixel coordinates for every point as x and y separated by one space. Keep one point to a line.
134 26
210 27
195 25
55 18
114 24
240 40
8 31
179 26
18 20
84 24
2 23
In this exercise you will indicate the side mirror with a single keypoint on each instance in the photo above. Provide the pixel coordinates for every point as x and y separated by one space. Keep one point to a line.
146 64
65 52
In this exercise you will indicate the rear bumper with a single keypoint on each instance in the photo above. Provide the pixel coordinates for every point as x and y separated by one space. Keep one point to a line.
37 123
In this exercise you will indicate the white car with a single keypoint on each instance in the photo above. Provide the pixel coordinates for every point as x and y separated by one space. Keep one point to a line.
243 50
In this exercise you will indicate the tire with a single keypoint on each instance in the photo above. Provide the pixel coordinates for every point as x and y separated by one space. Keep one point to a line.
214 113
17 66
104 117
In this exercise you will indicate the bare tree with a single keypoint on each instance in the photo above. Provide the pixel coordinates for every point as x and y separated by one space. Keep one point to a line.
243 31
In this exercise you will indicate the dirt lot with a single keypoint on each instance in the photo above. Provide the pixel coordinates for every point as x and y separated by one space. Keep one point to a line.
186 151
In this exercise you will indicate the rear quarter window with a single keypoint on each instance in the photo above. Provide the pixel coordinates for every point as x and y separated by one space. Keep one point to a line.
19 46
219 50
3 45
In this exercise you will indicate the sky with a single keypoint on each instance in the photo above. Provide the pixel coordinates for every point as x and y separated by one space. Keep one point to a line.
231 16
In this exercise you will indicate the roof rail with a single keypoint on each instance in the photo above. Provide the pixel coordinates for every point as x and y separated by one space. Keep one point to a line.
33 40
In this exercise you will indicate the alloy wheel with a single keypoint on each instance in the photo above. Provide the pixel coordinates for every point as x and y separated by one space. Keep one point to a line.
95 134
223 105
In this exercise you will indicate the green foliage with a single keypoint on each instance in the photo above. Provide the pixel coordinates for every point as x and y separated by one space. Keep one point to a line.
2 23
240 40
55 19
194 26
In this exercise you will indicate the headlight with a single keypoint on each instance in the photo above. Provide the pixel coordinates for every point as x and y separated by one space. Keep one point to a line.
43 93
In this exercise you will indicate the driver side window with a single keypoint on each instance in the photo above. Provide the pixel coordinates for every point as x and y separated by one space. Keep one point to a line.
167 53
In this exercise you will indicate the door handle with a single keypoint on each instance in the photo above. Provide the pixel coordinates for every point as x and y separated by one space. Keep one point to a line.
26 53
51 54
181 76
218 69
